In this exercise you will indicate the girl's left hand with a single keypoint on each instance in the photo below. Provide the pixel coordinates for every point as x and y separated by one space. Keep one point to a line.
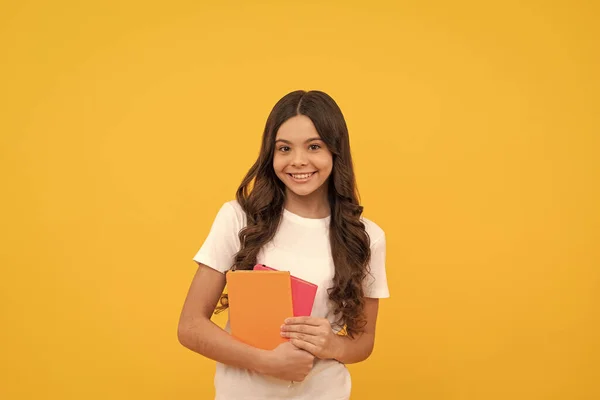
313 335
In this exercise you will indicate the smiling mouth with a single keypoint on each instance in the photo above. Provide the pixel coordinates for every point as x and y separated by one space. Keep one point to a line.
302 176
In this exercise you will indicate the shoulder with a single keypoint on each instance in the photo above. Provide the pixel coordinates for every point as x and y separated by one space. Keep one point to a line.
375 232
232 212
234 207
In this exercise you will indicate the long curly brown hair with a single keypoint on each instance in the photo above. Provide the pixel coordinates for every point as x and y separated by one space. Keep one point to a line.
262 195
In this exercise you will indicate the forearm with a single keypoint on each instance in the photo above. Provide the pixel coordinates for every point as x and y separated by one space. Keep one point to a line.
350 351
206 338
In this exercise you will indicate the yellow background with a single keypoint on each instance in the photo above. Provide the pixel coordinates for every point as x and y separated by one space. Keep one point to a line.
475 130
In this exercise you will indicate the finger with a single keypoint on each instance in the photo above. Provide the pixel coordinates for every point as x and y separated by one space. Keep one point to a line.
307 329
315 340
305 345
304 321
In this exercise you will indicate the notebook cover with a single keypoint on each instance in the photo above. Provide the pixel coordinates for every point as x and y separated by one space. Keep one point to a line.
259 302
303 293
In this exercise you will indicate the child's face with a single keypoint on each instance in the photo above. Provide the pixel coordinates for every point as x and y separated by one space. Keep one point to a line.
301 159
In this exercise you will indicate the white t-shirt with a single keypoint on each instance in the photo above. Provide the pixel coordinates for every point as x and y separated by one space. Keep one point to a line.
301 246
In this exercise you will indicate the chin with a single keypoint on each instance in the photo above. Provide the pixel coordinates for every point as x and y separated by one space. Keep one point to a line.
304 191
301 193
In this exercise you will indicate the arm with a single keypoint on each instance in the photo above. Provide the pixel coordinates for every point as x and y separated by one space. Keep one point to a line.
349 351
198 333
315 336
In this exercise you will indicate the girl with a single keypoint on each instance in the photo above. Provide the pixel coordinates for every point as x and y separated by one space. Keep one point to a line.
296 210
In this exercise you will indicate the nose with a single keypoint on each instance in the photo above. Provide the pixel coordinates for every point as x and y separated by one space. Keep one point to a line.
300 158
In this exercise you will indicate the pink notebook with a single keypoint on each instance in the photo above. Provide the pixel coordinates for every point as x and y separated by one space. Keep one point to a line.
303 293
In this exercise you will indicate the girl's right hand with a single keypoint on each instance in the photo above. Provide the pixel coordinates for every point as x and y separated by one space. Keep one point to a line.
289 363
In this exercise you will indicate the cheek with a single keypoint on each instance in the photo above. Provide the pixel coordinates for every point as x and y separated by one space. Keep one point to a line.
278 164
324 163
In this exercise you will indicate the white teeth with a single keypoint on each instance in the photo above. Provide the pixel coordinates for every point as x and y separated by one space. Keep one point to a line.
301 176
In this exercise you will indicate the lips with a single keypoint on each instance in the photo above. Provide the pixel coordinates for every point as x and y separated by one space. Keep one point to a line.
303 177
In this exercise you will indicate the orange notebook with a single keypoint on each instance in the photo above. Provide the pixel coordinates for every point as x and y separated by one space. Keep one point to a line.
303 293
259 302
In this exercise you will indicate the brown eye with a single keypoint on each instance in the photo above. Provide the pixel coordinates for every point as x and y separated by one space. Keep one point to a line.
314 147
284 149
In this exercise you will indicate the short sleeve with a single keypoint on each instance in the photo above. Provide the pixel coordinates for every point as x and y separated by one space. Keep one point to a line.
375 283
222 243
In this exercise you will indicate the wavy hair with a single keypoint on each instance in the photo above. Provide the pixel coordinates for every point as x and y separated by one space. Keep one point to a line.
262 195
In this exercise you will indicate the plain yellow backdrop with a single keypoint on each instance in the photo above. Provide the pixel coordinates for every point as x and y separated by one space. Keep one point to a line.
476 136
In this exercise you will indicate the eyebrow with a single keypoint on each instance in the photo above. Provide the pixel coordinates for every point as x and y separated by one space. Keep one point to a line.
306 141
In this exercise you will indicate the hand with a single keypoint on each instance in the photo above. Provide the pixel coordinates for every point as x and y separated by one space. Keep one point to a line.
289 363
313 335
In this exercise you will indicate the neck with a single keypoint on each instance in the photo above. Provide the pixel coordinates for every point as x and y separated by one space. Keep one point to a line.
314 205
